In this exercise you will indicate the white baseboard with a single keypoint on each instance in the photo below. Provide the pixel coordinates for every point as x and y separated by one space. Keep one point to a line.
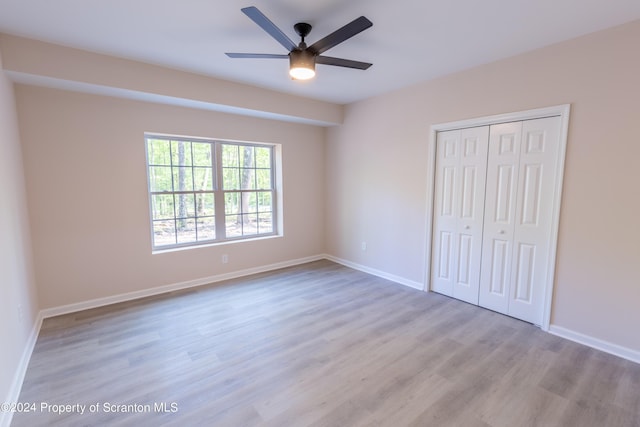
21 370
607 347
99 302
379 273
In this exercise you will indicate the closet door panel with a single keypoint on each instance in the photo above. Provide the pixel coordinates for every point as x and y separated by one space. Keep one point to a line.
474 144
532 233
500 215
459 209
445 221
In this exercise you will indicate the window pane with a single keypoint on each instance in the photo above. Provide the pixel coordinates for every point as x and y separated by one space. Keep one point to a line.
249 203
263 179
186 231
249 224
231 203
265 223
264 202
246 161
263 157
248 179
233 226
162 206
182 179
159 152
203 179
206 228
185 206
205 204
181 153
230 155
164 233
160 178
202 154
230 179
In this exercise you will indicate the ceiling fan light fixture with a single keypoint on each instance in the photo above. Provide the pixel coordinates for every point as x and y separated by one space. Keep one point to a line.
302 65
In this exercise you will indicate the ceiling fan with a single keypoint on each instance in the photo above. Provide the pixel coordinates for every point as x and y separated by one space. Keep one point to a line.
303 58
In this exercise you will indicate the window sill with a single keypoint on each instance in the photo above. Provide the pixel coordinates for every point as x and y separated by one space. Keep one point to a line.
213 244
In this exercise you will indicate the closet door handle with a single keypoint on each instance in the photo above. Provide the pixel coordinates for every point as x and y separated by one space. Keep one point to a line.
466 227
501 231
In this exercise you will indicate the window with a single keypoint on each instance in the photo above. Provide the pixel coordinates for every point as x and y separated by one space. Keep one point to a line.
204 191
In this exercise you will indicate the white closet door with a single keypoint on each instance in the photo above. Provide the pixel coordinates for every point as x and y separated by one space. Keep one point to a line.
521 174
499 216
532 234
459 206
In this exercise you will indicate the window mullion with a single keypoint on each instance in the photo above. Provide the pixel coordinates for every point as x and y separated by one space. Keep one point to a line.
173 189
218 202
193 187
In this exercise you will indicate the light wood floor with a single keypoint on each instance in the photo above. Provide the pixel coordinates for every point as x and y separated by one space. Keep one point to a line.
321 345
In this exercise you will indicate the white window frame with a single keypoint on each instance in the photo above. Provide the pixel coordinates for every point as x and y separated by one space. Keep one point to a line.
218 191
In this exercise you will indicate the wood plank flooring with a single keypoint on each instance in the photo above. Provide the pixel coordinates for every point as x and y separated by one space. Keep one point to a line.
319 345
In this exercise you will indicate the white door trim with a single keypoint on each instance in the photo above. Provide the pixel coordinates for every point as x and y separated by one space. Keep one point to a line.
563 112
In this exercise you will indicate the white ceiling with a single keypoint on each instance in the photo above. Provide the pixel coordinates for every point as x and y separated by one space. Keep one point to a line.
410 41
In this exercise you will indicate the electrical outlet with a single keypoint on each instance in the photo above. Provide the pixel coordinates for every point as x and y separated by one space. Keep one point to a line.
363 245
225 258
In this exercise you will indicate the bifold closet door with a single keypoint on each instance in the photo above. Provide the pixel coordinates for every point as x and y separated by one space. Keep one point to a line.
521 174
458 209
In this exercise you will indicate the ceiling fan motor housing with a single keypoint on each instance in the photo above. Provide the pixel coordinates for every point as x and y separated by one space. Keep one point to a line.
302 58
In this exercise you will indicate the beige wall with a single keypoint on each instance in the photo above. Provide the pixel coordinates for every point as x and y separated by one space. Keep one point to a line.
87 189
377 172
18 301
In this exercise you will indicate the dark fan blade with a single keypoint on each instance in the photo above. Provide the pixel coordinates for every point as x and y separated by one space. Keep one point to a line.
257 55
328 60
351 29
264 23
